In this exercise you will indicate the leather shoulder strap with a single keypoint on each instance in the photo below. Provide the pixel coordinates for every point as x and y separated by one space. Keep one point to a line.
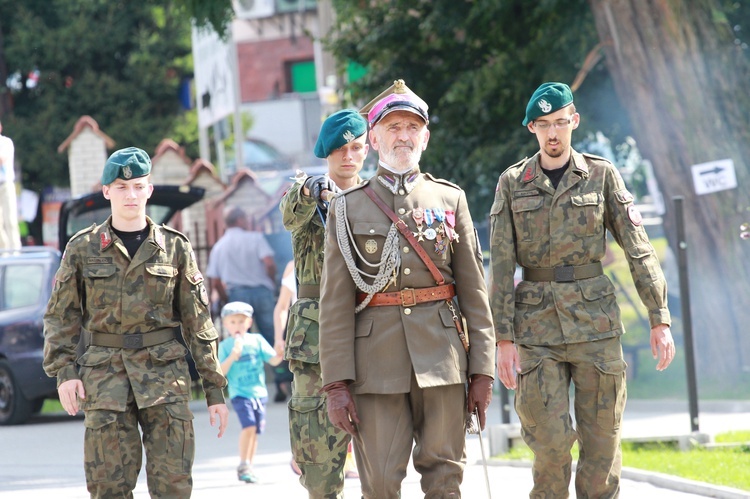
404 230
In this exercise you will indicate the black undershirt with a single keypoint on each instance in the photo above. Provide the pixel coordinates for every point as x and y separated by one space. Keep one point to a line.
556 175
132 240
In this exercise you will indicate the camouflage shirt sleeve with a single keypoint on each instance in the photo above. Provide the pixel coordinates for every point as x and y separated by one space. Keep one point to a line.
502 261
191 303
297 210
624 223
63 318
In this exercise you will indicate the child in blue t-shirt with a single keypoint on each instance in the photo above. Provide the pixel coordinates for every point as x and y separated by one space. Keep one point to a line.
242 355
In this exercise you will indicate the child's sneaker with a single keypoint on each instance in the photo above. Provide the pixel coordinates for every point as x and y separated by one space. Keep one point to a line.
245 474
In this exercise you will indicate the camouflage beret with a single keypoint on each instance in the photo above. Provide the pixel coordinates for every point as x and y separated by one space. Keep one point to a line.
237 307
126 164
338 129
548 98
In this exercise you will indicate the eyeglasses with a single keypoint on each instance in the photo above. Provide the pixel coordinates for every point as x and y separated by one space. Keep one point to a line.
544 126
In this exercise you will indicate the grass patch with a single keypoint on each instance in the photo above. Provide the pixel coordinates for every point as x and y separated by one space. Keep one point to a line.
725 466
52 406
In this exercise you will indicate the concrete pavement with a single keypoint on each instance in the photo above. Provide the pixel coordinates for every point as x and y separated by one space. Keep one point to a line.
51 464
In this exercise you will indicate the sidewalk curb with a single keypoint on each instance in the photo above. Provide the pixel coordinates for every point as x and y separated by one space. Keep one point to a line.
657 479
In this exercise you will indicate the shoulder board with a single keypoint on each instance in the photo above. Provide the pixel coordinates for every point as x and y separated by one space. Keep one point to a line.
516 167
351 189
441 181
594 156
174 231
520 163
82 232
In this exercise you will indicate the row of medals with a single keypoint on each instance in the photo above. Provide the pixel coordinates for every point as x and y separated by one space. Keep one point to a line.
443 234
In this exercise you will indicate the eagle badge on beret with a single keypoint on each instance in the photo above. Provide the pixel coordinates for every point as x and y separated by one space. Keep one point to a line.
545 106
349 136
127 172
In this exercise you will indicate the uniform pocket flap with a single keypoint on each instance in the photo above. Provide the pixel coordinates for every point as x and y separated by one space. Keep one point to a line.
165 352
363 328
527 204
596 287
94 356
447 317
497 206
306 404
624 196
207 335
312 313
615 366
529 293
530 365
95 420
180 411
99 271
371 228
587 199
639 250
161 270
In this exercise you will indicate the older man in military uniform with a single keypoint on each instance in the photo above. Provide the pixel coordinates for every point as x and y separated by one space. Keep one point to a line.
132 285
319 447
562 323
402 264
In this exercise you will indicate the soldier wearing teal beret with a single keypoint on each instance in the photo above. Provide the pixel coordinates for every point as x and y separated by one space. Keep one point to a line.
561 324
132 288
320 450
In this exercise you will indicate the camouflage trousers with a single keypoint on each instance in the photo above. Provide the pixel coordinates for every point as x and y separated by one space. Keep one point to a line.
112 450
319 448
597 370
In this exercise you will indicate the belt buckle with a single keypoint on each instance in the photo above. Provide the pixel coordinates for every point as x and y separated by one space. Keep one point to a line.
408 292
566 273
133 341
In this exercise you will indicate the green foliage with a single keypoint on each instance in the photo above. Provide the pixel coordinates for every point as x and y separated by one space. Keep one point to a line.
119 62
476 64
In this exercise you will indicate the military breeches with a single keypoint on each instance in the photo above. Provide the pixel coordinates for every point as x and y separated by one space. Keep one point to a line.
112 450
319 448
433 419
597 370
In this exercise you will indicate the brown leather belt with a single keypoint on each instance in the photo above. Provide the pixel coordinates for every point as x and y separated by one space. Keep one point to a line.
133 341
308 291
565 273
410 297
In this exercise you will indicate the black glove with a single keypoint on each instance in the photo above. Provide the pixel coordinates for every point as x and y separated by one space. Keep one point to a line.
319 183
480 395
341 410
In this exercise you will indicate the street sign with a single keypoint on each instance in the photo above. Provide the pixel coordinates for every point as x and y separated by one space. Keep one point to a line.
214 79
714 176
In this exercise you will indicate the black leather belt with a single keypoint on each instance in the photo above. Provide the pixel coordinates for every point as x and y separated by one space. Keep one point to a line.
564 273
308 291
133 341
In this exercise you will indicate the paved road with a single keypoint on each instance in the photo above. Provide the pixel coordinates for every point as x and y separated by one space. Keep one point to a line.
44 458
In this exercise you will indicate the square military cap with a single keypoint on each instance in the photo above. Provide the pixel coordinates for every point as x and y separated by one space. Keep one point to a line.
397 97
338 129
547 99
126 164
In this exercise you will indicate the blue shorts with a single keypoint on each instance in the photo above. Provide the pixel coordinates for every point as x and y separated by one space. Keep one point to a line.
252 412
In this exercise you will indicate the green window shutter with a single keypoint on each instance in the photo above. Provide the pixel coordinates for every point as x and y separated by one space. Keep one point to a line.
303 76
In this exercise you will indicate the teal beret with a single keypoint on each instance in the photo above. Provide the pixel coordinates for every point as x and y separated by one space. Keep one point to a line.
338 129
126 164
548 98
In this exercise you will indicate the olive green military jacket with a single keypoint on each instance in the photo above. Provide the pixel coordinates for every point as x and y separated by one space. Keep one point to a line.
380 347
534 225
100 290
300 217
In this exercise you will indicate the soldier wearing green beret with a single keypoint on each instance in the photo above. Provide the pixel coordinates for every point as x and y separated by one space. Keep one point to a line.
319 448
132 287
561 323
402 265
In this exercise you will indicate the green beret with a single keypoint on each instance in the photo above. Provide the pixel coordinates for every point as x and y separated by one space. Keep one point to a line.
338 129
126 164
548 98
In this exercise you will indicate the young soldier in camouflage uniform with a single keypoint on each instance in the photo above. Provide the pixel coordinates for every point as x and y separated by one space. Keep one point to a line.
132 285
562 323
319 447
394 364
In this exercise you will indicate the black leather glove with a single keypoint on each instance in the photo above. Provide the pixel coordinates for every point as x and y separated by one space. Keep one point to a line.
319 183
480 396
341 410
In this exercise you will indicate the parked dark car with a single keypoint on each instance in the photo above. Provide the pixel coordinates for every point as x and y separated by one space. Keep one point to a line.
26 279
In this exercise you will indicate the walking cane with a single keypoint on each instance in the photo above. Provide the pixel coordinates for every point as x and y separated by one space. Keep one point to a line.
484 458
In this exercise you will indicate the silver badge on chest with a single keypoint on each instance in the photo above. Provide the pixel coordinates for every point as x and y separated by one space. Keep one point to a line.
371 246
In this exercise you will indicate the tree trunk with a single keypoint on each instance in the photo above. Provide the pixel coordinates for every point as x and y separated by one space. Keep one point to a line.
675 65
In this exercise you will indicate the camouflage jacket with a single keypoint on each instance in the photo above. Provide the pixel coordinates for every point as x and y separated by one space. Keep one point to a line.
534 225
100 290
301 218
383 348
